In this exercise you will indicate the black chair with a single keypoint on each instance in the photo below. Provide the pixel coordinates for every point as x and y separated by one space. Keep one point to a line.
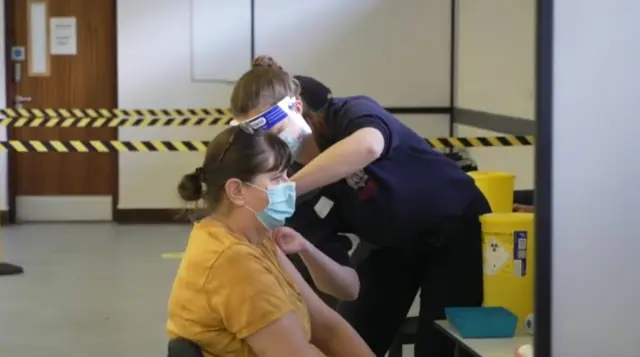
406 336
181 347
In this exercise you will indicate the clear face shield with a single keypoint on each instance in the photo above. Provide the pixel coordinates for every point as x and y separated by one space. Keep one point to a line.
295 129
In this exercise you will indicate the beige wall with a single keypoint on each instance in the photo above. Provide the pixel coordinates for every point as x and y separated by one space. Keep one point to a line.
495 68
155 70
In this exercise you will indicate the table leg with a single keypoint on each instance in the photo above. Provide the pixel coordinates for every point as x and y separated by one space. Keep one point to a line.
458 352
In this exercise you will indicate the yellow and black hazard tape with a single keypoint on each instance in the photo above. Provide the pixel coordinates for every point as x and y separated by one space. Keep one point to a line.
112 113
103 122
107 146
481 141
101 146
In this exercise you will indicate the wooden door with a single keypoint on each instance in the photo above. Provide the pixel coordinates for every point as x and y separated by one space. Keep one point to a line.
63 186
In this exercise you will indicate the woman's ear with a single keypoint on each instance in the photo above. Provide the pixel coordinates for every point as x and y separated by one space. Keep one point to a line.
235 191
298 106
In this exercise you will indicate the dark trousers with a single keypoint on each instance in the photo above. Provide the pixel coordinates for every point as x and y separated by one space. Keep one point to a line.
447 268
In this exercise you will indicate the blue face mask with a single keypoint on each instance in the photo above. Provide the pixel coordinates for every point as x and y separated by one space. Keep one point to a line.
282 205
294 143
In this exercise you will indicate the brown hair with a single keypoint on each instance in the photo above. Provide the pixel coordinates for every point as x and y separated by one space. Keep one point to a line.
264 85
239 153
266 61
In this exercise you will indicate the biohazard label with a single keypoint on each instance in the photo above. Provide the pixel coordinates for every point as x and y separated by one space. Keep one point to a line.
496 257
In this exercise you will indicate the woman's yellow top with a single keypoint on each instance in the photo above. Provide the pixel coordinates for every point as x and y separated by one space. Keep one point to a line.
226 289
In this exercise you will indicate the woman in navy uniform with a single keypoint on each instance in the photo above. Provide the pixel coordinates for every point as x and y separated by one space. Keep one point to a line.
415 206
319 219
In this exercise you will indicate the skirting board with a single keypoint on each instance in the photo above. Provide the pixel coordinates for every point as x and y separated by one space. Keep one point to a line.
64 208
134 216
150 215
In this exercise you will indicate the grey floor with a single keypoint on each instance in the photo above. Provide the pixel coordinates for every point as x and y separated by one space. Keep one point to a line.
88 290
96 290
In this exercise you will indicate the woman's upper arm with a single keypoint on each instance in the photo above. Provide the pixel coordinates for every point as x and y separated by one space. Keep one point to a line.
319 311
330 333
244 293
370 129
281 338
253 306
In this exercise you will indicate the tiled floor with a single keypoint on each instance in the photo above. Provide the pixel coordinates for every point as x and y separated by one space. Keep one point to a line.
96 290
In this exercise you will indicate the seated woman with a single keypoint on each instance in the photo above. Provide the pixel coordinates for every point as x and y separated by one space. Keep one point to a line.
236 294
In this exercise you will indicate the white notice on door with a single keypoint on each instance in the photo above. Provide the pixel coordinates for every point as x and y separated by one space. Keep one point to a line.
64 36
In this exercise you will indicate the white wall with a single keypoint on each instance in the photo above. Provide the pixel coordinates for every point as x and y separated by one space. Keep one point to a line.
495 67
496 56
4 202
399 55
407 64
594 186
516 160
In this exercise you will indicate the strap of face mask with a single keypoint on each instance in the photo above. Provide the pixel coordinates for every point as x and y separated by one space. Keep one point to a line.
255 186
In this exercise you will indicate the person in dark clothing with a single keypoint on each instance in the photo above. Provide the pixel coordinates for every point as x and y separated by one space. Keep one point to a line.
416 207
323 228
319 218
523 201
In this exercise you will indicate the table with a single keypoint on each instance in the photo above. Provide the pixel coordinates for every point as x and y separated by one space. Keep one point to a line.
485 347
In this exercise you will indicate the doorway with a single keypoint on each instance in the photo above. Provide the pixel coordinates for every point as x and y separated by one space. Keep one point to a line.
70 61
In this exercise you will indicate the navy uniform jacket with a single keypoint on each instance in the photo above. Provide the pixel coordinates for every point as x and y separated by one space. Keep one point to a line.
323 232
409 191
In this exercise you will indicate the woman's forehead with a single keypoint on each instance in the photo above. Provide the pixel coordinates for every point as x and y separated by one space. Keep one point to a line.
277 128
251 114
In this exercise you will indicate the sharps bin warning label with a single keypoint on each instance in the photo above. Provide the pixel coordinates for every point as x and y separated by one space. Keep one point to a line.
520 239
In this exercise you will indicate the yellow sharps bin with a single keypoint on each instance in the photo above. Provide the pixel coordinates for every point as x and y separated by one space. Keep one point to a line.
508 249
497 188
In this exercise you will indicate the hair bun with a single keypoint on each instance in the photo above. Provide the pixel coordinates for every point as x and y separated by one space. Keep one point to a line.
266 61
190 187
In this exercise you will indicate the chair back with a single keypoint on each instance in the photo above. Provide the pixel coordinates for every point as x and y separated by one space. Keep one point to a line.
181 347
